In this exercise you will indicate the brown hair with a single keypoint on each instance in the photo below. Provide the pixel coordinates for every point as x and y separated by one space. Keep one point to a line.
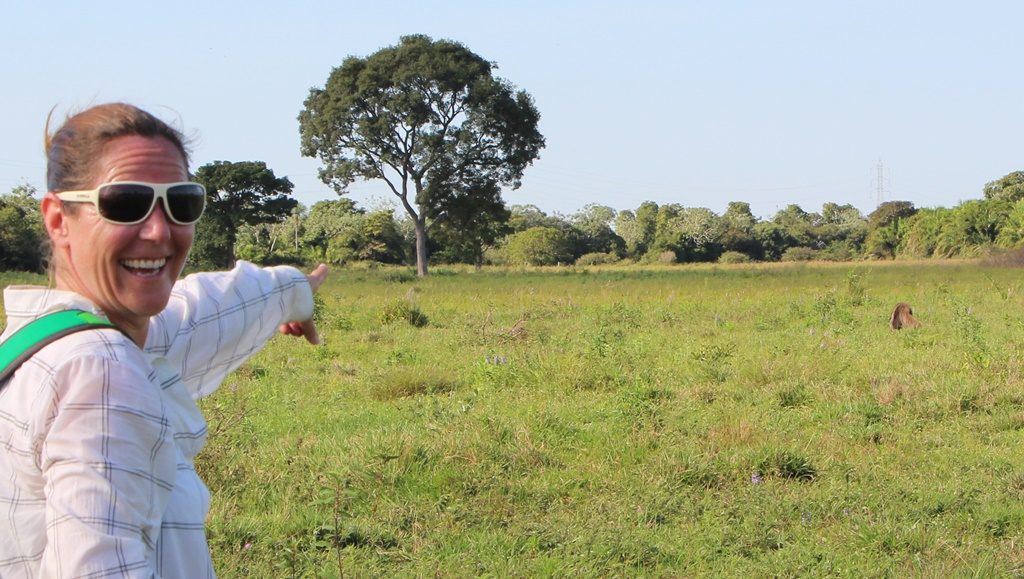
72 150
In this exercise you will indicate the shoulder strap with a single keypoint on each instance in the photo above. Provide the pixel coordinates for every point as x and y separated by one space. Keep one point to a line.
39 332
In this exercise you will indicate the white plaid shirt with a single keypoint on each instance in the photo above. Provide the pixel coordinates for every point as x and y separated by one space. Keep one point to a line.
98 437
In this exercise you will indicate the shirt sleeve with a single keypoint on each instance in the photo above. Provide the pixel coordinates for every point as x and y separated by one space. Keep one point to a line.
215 321
108 466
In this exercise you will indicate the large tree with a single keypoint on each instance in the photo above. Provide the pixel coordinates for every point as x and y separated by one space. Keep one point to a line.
242 193
430 120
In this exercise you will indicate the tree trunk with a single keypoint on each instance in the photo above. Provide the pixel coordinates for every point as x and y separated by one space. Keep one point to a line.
421 248
232 240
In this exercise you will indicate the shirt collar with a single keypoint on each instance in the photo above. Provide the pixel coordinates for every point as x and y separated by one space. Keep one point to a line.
24 303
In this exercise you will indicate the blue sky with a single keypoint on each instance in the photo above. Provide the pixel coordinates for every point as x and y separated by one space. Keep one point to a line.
697 103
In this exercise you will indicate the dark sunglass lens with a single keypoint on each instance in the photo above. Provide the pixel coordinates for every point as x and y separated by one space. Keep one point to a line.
186 202
125 203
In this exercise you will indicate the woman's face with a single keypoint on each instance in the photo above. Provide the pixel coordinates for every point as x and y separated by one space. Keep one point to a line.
126 270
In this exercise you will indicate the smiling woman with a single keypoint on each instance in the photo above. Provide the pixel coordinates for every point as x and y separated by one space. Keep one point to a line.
101 427
127 270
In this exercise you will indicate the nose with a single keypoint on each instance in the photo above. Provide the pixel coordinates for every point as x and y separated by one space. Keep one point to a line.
156 227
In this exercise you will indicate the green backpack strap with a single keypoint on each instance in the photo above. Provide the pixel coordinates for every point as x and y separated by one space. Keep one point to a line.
39 332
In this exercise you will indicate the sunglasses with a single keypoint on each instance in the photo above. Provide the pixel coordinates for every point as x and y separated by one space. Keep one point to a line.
131 202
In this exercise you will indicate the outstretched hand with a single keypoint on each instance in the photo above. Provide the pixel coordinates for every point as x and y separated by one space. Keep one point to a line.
307 329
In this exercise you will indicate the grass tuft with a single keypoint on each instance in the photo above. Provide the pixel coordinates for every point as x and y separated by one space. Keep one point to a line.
786 464
413 381
402 310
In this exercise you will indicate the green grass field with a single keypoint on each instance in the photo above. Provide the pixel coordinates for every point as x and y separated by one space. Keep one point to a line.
682 421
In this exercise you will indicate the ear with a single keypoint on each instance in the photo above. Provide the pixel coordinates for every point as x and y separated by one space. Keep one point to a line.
55 221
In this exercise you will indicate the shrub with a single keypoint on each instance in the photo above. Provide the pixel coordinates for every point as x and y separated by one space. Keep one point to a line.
328 317
538 246
838 252
667 257
799 254
596 259
734 257
403 310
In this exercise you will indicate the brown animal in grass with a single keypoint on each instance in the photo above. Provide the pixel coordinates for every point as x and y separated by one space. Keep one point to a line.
903 317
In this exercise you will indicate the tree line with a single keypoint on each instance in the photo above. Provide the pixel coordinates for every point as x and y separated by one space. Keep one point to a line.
251 216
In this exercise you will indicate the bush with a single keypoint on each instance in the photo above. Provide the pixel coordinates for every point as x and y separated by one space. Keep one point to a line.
328 317
538 246
800 254
734 257
596 259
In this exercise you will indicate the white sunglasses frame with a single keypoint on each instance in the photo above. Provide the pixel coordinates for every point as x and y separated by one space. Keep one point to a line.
159 193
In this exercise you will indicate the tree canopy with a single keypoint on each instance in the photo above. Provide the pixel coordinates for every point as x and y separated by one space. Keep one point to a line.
429 119
240 193
1008 188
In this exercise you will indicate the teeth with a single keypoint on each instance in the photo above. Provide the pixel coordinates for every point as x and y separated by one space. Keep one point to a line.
144 263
